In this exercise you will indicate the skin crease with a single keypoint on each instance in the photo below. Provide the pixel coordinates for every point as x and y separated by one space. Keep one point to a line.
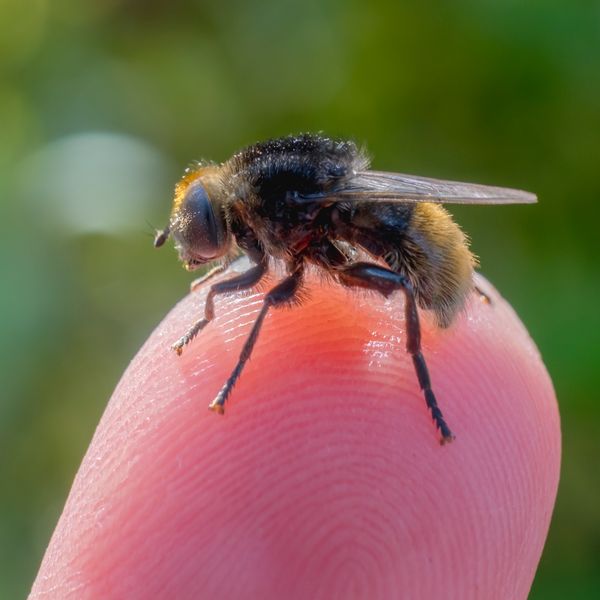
325 477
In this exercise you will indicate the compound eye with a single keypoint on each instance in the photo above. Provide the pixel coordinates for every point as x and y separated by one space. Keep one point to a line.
194 226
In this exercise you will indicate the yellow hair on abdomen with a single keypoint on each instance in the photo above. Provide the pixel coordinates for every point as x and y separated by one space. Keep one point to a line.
445 264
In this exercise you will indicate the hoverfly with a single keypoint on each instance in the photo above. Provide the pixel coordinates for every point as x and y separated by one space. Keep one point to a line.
310 199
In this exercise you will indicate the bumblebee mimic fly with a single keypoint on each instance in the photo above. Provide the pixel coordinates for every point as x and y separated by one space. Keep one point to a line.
312 200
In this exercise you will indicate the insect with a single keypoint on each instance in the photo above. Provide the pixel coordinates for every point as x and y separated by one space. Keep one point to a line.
310 199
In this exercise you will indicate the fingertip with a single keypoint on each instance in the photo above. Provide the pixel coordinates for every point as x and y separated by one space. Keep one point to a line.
325 476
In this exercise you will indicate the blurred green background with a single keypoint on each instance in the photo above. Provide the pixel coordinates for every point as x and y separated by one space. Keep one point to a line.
103 103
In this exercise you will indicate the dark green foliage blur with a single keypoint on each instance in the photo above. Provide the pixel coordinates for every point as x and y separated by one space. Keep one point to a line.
103 103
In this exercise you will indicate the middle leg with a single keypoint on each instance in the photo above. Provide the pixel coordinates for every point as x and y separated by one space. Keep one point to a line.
283 293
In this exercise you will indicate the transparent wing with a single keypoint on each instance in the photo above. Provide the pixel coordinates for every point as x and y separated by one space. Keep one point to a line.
397 187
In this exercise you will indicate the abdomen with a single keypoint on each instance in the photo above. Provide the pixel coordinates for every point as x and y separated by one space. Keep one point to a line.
422 242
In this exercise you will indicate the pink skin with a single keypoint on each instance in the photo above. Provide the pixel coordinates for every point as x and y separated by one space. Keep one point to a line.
325 477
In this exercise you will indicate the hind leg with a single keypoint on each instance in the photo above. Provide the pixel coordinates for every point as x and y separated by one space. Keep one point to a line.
385 281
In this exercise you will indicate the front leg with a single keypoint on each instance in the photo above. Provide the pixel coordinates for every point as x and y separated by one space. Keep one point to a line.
243 281
385 281
208 275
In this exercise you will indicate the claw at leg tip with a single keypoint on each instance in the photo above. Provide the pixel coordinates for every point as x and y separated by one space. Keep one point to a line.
218 408
446 439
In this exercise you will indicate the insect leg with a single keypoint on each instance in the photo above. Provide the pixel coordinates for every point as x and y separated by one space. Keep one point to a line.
385 281
282 293
209 275
482 295
242 282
